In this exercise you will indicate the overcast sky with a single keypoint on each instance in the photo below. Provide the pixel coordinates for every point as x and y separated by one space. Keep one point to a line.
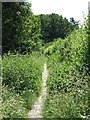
66 8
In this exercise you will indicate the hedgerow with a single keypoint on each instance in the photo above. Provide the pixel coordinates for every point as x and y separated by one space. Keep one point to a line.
68 77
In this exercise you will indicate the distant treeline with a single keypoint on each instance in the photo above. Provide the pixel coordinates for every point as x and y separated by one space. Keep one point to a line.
54 26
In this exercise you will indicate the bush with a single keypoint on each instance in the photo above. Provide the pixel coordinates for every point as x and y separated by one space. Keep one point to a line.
13 105
23 75
68 77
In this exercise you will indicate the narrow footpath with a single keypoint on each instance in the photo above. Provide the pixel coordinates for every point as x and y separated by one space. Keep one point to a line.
36 111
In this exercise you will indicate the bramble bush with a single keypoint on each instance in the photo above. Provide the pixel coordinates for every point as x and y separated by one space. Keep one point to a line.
68 77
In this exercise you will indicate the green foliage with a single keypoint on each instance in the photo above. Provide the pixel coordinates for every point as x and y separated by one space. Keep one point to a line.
88 31
88 24
67 62
18 71
68 77
22 78
54 26
63 106
13 105
20 28
23 31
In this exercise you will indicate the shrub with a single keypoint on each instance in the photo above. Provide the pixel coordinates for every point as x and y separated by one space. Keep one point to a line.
68 77
13 105
22 74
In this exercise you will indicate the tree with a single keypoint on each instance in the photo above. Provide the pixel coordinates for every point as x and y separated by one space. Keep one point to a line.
20 28
74 24
54 26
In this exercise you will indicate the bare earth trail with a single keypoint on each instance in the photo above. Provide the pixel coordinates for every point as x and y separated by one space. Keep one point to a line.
36 111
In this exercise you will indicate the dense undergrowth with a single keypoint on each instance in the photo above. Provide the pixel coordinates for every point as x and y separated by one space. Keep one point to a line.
27 36
68 77
21 84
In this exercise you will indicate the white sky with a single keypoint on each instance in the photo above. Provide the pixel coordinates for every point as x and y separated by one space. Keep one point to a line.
67 8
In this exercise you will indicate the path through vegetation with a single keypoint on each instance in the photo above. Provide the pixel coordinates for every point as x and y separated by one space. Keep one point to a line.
36 111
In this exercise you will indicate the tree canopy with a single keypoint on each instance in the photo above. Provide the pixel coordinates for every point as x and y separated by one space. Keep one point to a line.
25 32
20 28
54 26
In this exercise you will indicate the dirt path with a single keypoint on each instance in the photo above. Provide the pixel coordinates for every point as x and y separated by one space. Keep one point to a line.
36 111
